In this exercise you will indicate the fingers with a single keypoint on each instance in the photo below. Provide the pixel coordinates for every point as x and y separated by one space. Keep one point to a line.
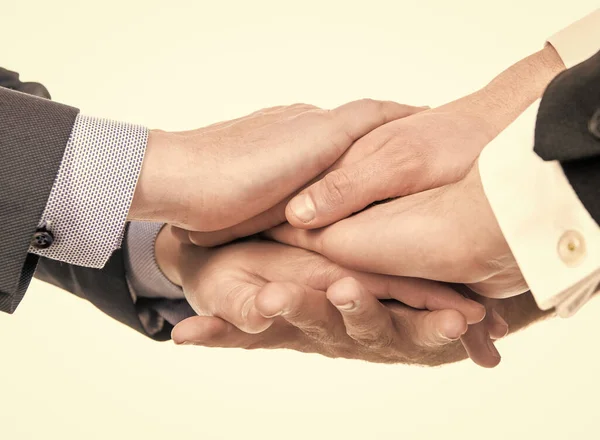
430 329
349 189
304 308
209 331
233 302
479 345
366 320
340 193
423 294
497 326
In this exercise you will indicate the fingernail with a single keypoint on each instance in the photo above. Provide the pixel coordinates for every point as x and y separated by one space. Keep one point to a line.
499 319
275 315
424 107
451 335
348 307
303 208
247 307
493 349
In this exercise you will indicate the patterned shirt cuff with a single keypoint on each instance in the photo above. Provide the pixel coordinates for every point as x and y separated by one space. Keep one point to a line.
146 280
143 274
91 196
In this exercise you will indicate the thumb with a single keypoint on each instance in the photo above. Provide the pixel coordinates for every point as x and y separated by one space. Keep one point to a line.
349 189
338 195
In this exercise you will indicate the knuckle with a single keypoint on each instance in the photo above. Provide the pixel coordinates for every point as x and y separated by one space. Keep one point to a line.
381 337
370 104
338 187
301 105
374 340
317 331
319 271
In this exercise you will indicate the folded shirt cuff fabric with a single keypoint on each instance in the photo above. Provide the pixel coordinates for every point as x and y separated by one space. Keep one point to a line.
142 269
553 238
579 41
146 280
93 190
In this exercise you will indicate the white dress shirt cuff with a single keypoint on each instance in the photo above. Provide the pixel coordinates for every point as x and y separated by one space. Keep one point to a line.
93 190
553 238
579 41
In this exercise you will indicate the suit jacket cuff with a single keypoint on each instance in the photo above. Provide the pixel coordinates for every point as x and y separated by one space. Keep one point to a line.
33 136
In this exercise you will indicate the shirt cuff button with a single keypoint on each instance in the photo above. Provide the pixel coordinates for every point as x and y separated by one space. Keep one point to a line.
571 248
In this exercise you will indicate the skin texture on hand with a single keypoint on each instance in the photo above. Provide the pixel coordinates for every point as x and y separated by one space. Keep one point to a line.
224 174
426 150
447 234
256 286
230 281
410 335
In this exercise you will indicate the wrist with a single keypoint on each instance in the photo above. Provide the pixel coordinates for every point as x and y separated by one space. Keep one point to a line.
514 90
509 94
154 199
176 260
530 76
166 252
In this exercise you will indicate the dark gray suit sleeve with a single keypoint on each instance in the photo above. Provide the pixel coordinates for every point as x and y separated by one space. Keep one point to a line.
107 289
568 129
33 135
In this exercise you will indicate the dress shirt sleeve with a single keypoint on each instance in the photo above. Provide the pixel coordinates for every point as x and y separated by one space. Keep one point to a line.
146 280
579 41
554 239
91 195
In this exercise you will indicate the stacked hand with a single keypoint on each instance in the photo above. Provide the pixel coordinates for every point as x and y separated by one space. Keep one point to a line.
227 173
322 172
292 298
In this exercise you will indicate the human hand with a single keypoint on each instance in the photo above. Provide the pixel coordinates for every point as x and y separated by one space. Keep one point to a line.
388 332
447 234
503 316
231 282
224 174
426 150
259 285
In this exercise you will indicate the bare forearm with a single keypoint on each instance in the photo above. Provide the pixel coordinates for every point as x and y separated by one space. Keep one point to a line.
516 88
510 93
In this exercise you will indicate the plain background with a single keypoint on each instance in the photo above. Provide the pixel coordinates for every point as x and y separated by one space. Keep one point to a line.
68 372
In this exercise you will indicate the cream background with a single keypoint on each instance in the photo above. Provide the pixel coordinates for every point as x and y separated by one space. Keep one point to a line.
68 372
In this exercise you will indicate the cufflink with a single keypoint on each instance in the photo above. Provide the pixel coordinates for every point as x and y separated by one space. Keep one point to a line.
43 237
571 248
